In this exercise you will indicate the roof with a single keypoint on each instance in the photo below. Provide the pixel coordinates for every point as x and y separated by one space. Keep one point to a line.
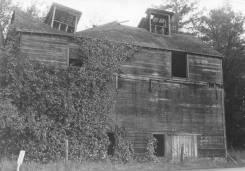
158 11
26 23
141 37
64 8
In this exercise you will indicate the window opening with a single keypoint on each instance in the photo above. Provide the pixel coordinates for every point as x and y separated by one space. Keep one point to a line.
179 64
111 146
160 145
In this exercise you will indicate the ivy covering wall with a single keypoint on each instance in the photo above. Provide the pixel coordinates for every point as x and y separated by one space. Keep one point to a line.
42 105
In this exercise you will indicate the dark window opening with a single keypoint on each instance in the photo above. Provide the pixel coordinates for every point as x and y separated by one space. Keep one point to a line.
56 25
111 146
76 62
160 145
179 64
63 27
75 57
70 29
150 85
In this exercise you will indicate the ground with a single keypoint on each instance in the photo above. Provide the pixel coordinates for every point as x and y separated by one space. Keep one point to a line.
198 165
236 162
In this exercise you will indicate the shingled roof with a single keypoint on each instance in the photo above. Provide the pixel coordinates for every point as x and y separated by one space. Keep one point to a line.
141 37
26 23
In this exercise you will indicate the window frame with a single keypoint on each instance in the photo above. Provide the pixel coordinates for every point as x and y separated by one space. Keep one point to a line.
187 65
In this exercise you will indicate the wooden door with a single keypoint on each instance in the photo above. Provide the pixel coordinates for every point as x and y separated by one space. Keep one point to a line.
189 145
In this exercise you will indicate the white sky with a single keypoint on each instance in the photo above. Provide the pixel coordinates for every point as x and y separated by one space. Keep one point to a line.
104 11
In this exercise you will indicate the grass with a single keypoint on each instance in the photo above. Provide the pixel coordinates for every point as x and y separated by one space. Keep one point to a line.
6 165
162 165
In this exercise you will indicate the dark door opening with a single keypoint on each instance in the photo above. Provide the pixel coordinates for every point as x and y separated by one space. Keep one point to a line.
159 149
111 146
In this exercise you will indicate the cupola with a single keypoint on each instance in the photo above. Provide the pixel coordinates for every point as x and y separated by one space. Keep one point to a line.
63 18
157 21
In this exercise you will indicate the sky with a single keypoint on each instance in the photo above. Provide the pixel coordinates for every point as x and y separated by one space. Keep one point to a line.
129 12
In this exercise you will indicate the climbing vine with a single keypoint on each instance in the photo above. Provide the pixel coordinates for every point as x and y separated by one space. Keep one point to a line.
52 103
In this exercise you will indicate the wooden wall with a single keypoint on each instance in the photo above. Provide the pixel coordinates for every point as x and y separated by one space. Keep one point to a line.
150 101
49 49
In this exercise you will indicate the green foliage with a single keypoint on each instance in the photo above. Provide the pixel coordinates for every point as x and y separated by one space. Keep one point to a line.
150 151
124 151
54 103
150 148
185 14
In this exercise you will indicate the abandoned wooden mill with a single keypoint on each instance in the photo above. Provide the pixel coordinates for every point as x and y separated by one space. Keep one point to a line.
172 88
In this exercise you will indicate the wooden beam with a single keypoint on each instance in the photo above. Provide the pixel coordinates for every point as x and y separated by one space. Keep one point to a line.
224 123
169 25
52 22
150 22
1 37
75 29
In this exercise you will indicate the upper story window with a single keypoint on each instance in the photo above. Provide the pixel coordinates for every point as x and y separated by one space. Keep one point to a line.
74 57
179 64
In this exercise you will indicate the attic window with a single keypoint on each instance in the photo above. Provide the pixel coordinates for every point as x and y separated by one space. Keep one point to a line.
179 64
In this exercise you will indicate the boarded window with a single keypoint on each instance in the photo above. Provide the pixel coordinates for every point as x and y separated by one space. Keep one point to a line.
112 140
179 64
160 145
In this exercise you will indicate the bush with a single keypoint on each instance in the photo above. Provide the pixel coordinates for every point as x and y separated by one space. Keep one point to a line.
124 151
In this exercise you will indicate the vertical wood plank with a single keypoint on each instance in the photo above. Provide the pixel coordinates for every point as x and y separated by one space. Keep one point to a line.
52 22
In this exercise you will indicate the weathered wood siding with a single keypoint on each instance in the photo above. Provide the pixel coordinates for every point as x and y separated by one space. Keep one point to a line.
149 63
46 48
145 105
207 69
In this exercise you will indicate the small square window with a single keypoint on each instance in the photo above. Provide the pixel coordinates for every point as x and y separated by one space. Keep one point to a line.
179 64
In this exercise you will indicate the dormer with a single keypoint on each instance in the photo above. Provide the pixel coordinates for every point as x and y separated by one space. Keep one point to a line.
157 21
63 18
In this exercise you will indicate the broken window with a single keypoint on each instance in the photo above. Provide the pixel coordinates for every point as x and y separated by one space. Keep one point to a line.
179 64
160 145
112 140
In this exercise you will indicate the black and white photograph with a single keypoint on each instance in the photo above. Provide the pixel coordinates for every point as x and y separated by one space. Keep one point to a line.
122 85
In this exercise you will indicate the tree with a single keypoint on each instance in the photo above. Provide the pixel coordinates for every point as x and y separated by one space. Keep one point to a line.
5 14
35 11
222 29
182 10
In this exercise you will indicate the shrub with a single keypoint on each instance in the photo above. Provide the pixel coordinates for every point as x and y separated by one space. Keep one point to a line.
124 151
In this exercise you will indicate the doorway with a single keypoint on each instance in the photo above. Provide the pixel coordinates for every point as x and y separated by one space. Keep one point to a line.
111 146
160 145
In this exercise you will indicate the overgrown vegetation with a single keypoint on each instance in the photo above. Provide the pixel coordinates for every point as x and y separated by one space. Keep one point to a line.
49 104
